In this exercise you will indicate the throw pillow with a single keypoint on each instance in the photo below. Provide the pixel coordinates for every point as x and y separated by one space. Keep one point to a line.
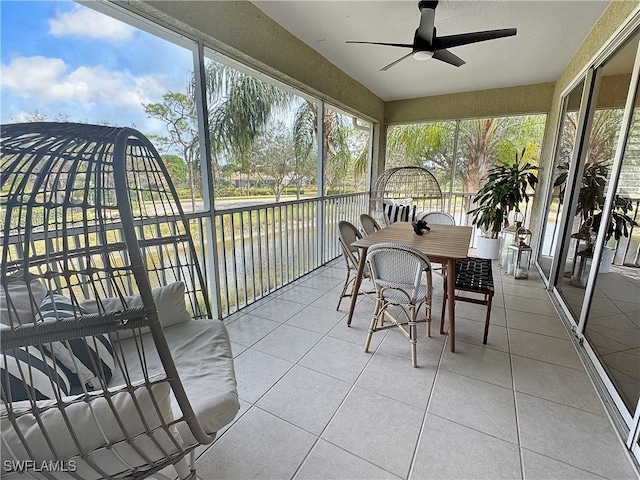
399 213
32 373
88 357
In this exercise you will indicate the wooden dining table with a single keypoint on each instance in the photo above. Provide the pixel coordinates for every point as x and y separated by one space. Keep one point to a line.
442 244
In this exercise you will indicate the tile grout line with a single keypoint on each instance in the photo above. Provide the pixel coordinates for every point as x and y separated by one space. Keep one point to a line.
426 410
353 386
515 408
325 335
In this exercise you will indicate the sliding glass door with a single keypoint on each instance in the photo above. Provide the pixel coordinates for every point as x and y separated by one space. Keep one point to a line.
591 239
611 327
552 228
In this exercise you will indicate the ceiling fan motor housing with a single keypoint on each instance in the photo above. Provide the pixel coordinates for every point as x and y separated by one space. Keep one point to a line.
427 45
426 4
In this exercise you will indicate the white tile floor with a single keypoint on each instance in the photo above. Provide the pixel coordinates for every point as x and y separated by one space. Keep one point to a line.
315 406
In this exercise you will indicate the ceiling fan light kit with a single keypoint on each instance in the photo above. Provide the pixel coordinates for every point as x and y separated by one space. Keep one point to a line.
422 55
426 44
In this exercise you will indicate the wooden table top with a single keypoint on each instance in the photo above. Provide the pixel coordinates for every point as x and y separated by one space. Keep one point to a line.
442 242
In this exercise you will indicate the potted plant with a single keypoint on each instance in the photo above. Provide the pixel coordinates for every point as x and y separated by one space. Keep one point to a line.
505 188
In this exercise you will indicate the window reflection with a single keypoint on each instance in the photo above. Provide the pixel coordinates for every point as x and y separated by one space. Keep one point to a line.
551 229
613 324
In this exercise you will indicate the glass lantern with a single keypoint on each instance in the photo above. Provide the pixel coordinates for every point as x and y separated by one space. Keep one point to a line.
524 236
509 237
518 259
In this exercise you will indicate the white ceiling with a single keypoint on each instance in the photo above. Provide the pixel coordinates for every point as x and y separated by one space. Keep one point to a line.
549 33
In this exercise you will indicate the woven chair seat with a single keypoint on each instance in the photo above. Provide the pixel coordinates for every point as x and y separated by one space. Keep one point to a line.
472 275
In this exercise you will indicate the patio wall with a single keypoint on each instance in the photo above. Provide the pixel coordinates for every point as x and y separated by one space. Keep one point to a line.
527 99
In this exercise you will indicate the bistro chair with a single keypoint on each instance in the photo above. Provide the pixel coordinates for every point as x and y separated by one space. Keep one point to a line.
402 278
347 234
368 224
438 218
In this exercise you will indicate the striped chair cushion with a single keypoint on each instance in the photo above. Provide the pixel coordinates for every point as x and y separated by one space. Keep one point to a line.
31 373
88 357
399 213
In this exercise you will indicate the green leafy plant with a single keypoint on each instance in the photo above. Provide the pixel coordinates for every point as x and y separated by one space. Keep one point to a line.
504 189
620 222
591 199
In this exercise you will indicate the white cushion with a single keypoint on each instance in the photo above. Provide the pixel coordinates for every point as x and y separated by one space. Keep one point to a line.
169 301
22 303
202 353
94 423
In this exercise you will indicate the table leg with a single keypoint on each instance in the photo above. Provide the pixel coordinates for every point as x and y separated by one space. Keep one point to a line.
356 284
451 294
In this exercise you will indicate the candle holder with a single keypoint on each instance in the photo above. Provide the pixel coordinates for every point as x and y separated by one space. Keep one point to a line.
518 257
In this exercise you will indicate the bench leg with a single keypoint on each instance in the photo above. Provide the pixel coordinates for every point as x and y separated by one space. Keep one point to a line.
444 307
486 322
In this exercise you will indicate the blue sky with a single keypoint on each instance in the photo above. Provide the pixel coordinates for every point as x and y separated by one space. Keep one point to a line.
62 58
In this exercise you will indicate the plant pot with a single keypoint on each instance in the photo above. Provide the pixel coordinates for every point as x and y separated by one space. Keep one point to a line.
489 248
607 259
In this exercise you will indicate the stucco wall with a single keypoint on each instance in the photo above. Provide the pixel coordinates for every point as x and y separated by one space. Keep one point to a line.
242 31
483 103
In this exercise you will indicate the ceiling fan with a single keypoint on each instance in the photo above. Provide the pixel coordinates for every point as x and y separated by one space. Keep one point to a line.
427 45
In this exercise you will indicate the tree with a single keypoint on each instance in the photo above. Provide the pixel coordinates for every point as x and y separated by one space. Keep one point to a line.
340 160
38 116
478 140
482 143
177 168
240 106
273 158
428 145
178 112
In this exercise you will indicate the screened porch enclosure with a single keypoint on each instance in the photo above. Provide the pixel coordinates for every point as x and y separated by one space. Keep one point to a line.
267 163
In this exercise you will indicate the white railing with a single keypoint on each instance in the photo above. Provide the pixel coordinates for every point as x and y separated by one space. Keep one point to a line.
262 248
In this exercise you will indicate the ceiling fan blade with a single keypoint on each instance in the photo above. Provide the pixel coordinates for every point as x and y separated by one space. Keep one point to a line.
383 69
403 45
448 57
450 41
427 20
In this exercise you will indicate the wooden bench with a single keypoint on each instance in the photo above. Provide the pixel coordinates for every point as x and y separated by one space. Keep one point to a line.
473 275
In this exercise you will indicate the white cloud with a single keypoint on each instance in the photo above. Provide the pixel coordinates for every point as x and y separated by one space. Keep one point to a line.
84 22
51 80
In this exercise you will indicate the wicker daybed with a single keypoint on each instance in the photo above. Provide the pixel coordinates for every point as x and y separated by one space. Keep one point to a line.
404 193
111 365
